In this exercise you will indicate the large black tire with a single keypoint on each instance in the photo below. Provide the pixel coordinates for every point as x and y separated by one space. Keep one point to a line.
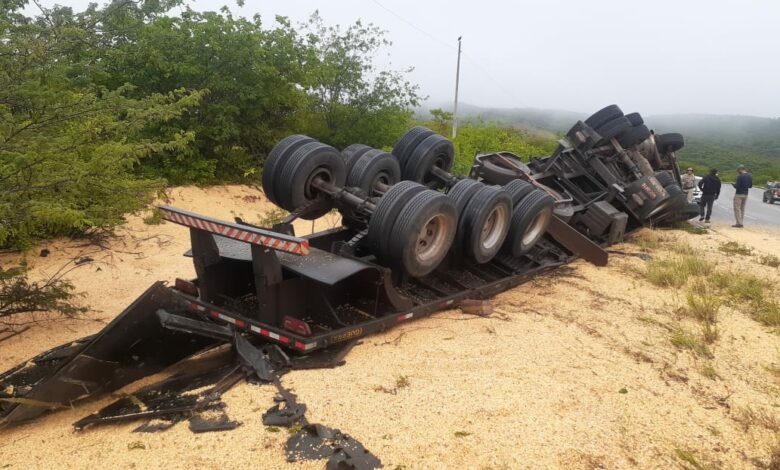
671 142
634 136
374 166
603 116
462 191
665 178
635 119
294 186
612 129
423 233
435 150
518 189
530 220
409 141
484 223
279 153
387 210
352 153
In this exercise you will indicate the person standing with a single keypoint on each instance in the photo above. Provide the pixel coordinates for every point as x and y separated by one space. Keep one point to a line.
742 187
688 183
710 191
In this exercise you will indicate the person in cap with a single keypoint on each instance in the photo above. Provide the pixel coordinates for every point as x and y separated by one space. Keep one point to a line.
688 184
710 190
741 186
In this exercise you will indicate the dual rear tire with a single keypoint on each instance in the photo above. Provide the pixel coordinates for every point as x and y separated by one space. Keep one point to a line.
412 228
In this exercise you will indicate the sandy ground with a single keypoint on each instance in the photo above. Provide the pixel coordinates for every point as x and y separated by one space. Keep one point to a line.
573 370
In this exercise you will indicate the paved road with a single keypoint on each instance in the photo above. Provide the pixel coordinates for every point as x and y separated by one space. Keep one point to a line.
756 213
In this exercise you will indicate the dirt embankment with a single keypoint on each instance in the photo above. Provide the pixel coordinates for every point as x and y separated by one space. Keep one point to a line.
577 369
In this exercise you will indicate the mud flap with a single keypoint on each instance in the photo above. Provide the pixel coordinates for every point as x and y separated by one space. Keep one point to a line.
132 346
576 242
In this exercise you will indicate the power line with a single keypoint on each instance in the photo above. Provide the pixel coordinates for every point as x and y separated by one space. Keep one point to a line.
450 46
431 36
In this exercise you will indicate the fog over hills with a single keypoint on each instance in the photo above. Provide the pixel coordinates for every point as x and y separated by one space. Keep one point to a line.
712 140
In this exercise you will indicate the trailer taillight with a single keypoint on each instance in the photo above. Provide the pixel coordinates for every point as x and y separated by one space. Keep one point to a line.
296 326
188 287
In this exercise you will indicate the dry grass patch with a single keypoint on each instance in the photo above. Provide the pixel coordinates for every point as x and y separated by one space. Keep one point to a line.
683 339
675 271
735 248
271 217
688 460
749 417
769 260
708 371
702 303
750 295
648 240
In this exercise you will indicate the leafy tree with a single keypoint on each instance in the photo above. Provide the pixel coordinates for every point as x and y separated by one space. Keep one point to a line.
352 101
248 74
442 120
68 148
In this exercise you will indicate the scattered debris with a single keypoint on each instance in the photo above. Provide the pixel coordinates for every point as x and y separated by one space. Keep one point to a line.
135 445
642 256
287 416
44 253
200 423
482 308
315 441
170 400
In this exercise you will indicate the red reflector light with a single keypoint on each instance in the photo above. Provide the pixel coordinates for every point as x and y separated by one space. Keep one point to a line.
296 326
185 286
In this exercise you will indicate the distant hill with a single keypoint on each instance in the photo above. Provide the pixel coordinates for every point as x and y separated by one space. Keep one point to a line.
720 141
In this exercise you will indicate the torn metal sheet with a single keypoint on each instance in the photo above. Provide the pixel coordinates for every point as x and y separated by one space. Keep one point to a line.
132 346
190 325
315 441
17 382
201 424
171 399
253 358
286 417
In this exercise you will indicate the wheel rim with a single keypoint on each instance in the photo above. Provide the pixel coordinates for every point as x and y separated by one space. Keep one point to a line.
322 173
537 227
431 239
381 180
494 229
429 178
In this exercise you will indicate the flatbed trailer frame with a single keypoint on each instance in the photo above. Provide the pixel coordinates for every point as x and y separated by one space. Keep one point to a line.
438 291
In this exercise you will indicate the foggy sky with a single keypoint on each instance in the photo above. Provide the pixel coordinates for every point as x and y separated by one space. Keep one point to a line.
656 57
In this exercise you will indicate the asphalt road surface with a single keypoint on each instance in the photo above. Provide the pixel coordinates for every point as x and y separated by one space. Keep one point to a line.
756 212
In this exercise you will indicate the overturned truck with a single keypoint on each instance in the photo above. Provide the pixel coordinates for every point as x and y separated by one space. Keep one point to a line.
415 239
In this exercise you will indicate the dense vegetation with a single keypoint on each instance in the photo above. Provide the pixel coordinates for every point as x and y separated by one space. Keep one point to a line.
100 108
475 136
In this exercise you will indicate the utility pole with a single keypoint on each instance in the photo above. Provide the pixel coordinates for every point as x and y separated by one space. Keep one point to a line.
455 109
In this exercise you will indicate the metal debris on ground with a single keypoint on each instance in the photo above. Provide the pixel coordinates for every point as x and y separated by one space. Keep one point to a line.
168 400
200 423
315 441
482 308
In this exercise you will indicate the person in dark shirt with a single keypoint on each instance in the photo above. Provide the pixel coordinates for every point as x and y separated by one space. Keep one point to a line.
742 186
710 190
